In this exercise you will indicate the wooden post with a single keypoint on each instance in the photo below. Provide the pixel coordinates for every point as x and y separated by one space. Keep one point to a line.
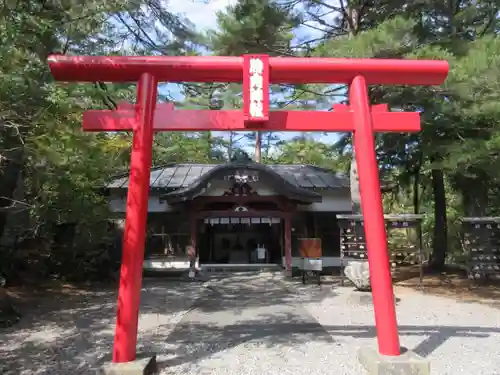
192 253
288 246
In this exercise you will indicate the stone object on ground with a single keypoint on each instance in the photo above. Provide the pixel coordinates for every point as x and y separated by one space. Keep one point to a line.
408 363
144 365
359 274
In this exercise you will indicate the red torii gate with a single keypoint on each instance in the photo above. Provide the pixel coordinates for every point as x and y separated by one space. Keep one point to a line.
256 72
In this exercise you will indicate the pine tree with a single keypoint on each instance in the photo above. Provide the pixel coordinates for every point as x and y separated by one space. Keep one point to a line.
430 30
255 26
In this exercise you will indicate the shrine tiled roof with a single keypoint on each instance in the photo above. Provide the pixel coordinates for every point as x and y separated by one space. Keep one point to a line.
179 176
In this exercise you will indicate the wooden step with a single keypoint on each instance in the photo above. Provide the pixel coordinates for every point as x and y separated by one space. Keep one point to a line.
238 267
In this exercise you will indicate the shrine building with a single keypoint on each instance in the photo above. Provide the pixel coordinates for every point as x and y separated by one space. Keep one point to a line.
228 210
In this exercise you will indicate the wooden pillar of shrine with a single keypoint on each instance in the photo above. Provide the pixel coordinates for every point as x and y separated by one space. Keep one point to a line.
288 245
192 251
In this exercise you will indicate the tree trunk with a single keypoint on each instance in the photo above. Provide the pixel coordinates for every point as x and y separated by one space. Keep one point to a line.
230 146
258 147
352 24
475 197
416 197
440 237
10 168
267 147
354 183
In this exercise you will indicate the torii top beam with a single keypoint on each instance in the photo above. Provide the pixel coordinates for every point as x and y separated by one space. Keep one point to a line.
230 69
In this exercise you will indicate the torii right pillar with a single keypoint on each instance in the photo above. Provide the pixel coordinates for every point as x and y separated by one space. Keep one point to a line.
390 358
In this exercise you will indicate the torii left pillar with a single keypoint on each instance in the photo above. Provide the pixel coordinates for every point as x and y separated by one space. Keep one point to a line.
129 292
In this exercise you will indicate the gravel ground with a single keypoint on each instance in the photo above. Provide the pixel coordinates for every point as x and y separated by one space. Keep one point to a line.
247 323
74 335
250 325
458 337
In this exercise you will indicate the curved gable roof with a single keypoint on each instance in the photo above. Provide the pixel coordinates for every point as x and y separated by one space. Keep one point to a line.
177 176
280 184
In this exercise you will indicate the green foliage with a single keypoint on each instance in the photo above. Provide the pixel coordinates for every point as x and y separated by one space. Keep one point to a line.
50 170
459 119
254 26
306 150
391 38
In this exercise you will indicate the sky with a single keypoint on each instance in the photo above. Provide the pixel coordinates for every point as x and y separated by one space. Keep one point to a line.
203 14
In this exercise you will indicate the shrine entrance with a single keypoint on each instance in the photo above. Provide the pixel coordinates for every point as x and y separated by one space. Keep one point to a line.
256 72
242 213
241 241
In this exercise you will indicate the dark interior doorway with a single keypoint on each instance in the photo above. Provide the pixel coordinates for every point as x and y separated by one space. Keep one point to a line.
237 243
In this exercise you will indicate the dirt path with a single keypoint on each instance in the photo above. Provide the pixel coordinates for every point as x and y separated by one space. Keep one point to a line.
251 325
72 331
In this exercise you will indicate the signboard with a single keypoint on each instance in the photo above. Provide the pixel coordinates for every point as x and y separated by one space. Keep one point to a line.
310 247
311 264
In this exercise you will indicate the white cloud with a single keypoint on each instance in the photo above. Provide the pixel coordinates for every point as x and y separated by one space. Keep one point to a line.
202 13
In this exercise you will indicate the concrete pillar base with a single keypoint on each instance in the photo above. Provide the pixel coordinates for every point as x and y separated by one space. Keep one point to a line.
287 273
141 366
408 363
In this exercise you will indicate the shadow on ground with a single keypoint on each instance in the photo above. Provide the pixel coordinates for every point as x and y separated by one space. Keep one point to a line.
194 342
205 331
433 336
74 334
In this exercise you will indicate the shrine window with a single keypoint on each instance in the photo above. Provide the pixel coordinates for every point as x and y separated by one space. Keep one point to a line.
168 235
